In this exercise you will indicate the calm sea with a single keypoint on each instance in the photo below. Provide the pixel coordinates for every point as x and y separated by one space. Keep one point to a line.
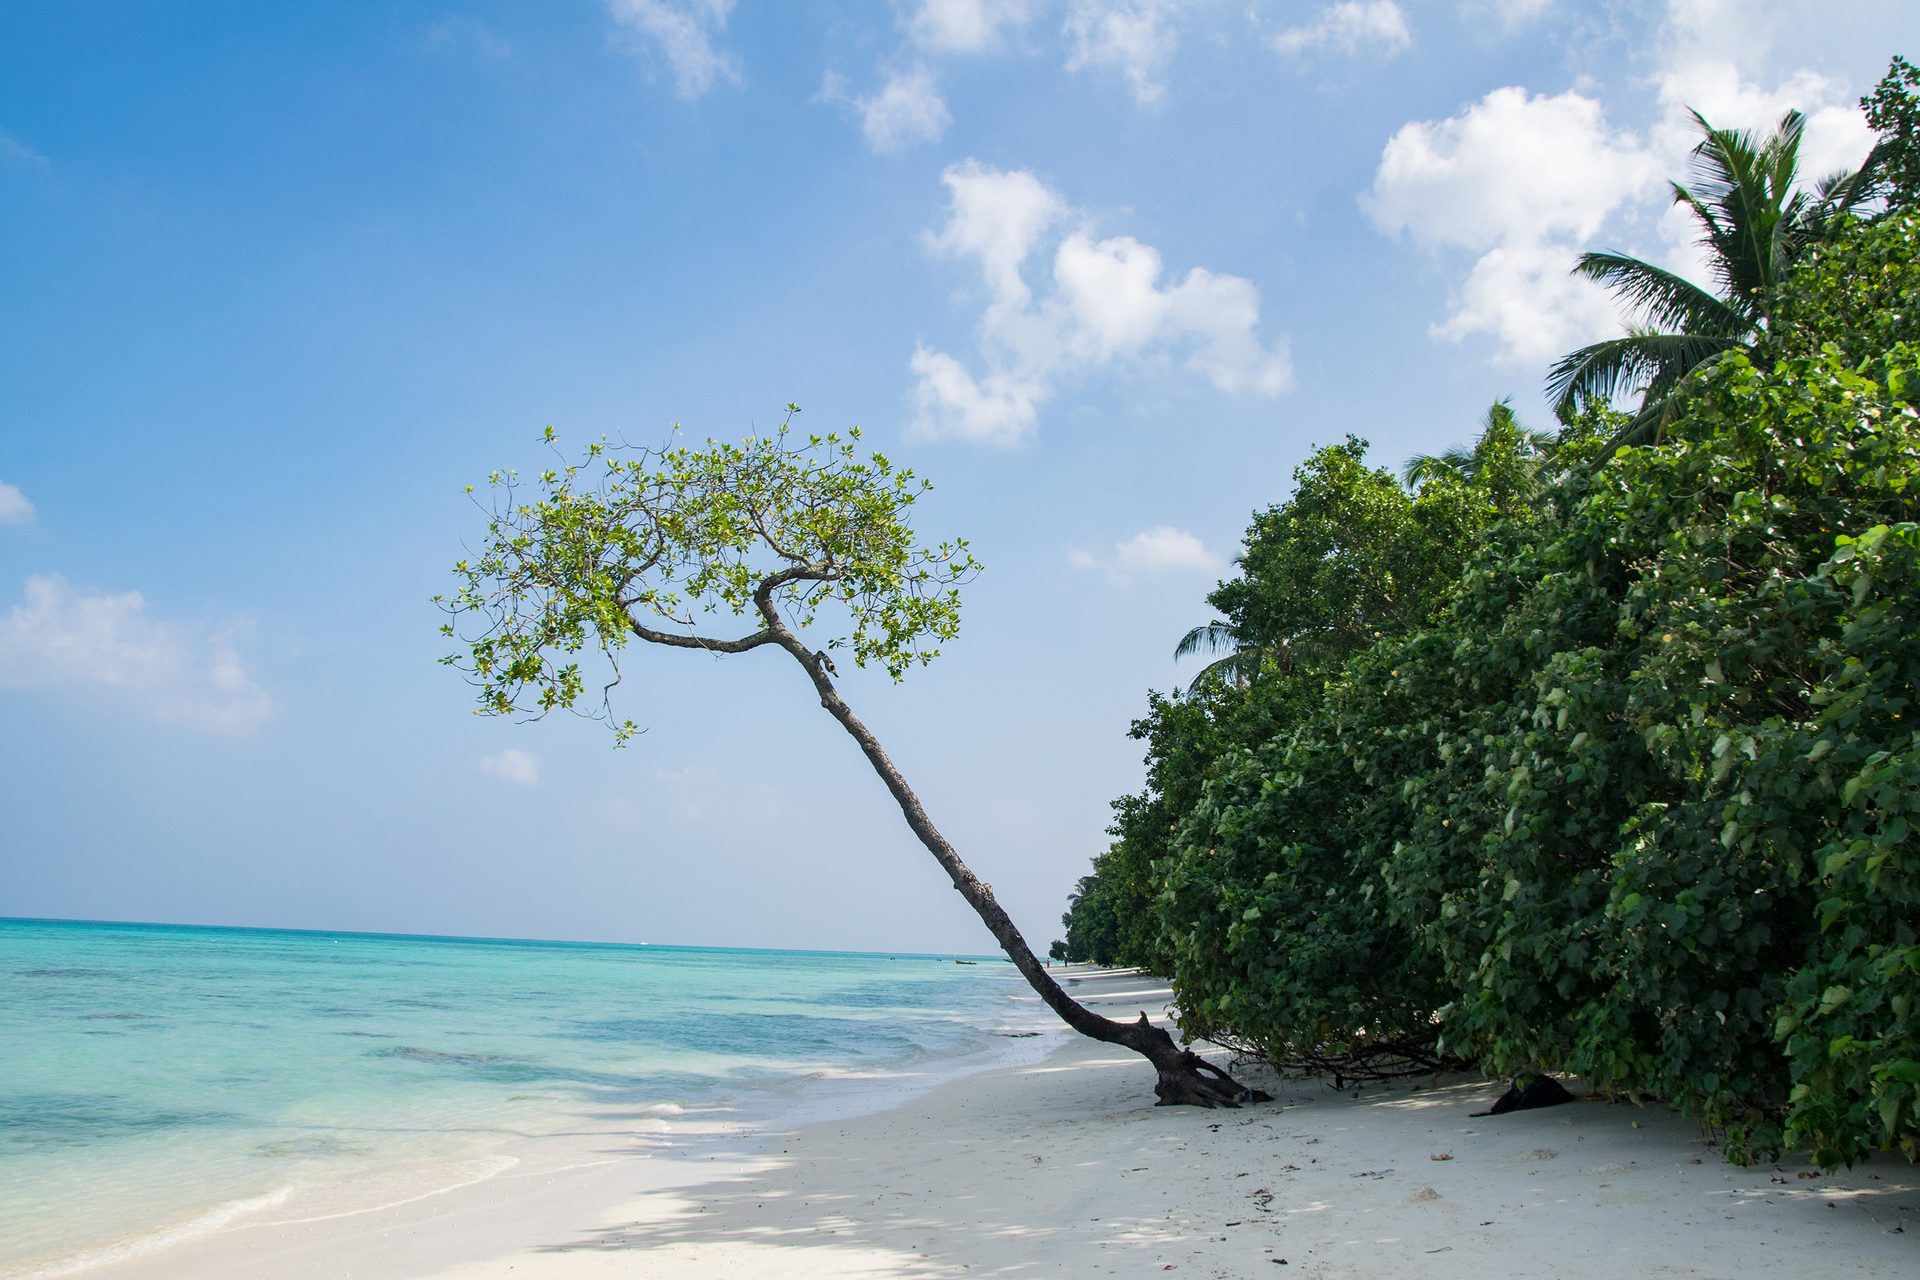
159 1081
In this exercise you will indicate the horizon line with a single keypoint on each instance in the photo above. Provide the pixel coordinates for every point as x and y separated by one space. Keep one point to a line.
461 937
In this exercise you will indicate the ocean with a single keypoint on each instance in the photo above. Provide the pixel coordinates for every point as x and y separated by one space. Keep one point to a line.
163 1081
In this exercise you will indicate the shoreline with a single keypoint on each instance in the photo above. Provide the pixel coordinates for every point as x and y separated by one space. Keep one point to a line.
601 1154
1059 1164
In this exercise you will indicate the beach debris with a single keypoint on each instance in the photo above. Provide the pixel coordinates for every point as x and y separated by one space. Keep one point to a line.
1529 1090
1371 1173
1441 1155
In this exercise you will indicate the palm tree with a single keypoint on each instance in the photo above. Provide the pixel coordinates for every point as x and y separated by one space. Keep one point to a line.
1236 665
1501 427
1754 225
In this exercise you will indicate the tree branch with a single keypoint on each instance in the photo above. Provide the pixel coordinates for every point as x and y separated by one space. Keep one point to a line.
812 571
678 641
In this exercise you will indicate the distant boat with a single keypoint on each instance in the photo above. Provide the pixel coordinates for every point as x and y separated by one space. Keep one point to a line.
966 962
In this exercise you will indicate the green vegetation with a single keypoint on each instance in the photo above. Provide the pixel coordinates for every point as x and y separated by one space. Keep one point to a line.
1608 769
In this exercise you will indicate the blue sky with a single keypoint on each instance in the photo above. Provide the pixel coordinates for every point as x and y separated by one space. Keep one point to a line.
280 280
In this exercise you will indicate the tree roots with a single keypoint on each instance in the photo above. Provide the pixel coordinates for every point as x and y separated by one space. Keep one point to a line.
1195 1082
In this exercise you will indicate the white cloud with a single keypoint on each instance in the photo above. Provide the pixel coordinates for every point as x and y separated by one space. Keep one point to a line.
683 32
14 507
522 768
908 109
1525 297
1837 134
1133 37
1349 27
65 641
1220 314
1162 549
967 26
997 410
1108 306
1511 166
998 218
1524 181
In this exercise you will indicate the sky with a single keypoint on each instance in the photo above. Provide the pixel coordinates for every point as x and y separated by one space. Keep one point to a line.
278 281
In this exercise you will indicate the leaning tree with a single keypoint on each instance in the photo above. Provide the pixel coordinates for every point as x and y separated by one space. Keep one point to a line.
668 546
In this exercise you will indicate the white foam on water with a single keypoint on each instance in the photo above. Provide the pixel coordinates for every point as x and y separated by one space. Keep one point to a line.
207 1223
492 1169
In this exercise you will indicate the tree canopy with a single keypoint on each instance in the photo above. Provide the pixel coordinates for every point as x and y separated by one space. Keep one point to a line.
1607 770
662 545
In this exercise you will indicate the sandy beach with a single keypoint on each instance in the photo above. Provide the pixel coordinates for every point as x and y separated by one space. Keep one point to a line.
1058 1164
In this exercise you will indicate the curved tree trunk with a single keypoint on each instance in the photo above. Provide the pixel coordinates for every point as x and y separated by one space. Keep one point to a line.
1185 1078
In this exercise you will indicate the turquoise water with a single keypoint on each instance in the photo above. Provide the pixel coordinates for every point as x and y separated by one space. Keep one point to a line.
158 1080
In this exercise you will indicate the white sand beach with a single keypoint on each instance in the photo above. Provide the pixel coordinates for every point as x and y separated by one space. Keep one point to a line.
1061 1166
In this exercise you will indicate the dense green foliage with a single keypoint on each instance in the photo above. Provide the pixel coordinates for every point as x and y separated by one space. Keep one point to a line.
1352 557
1608 770
1893 109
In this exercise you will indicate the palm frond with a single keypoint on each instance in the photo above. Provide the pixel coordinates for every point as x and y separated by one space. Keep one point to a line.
1840 195
1641 361
1234 671
1598 371
1689 358
1663 299
1465 460
1422 468
1750 184
1210 637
